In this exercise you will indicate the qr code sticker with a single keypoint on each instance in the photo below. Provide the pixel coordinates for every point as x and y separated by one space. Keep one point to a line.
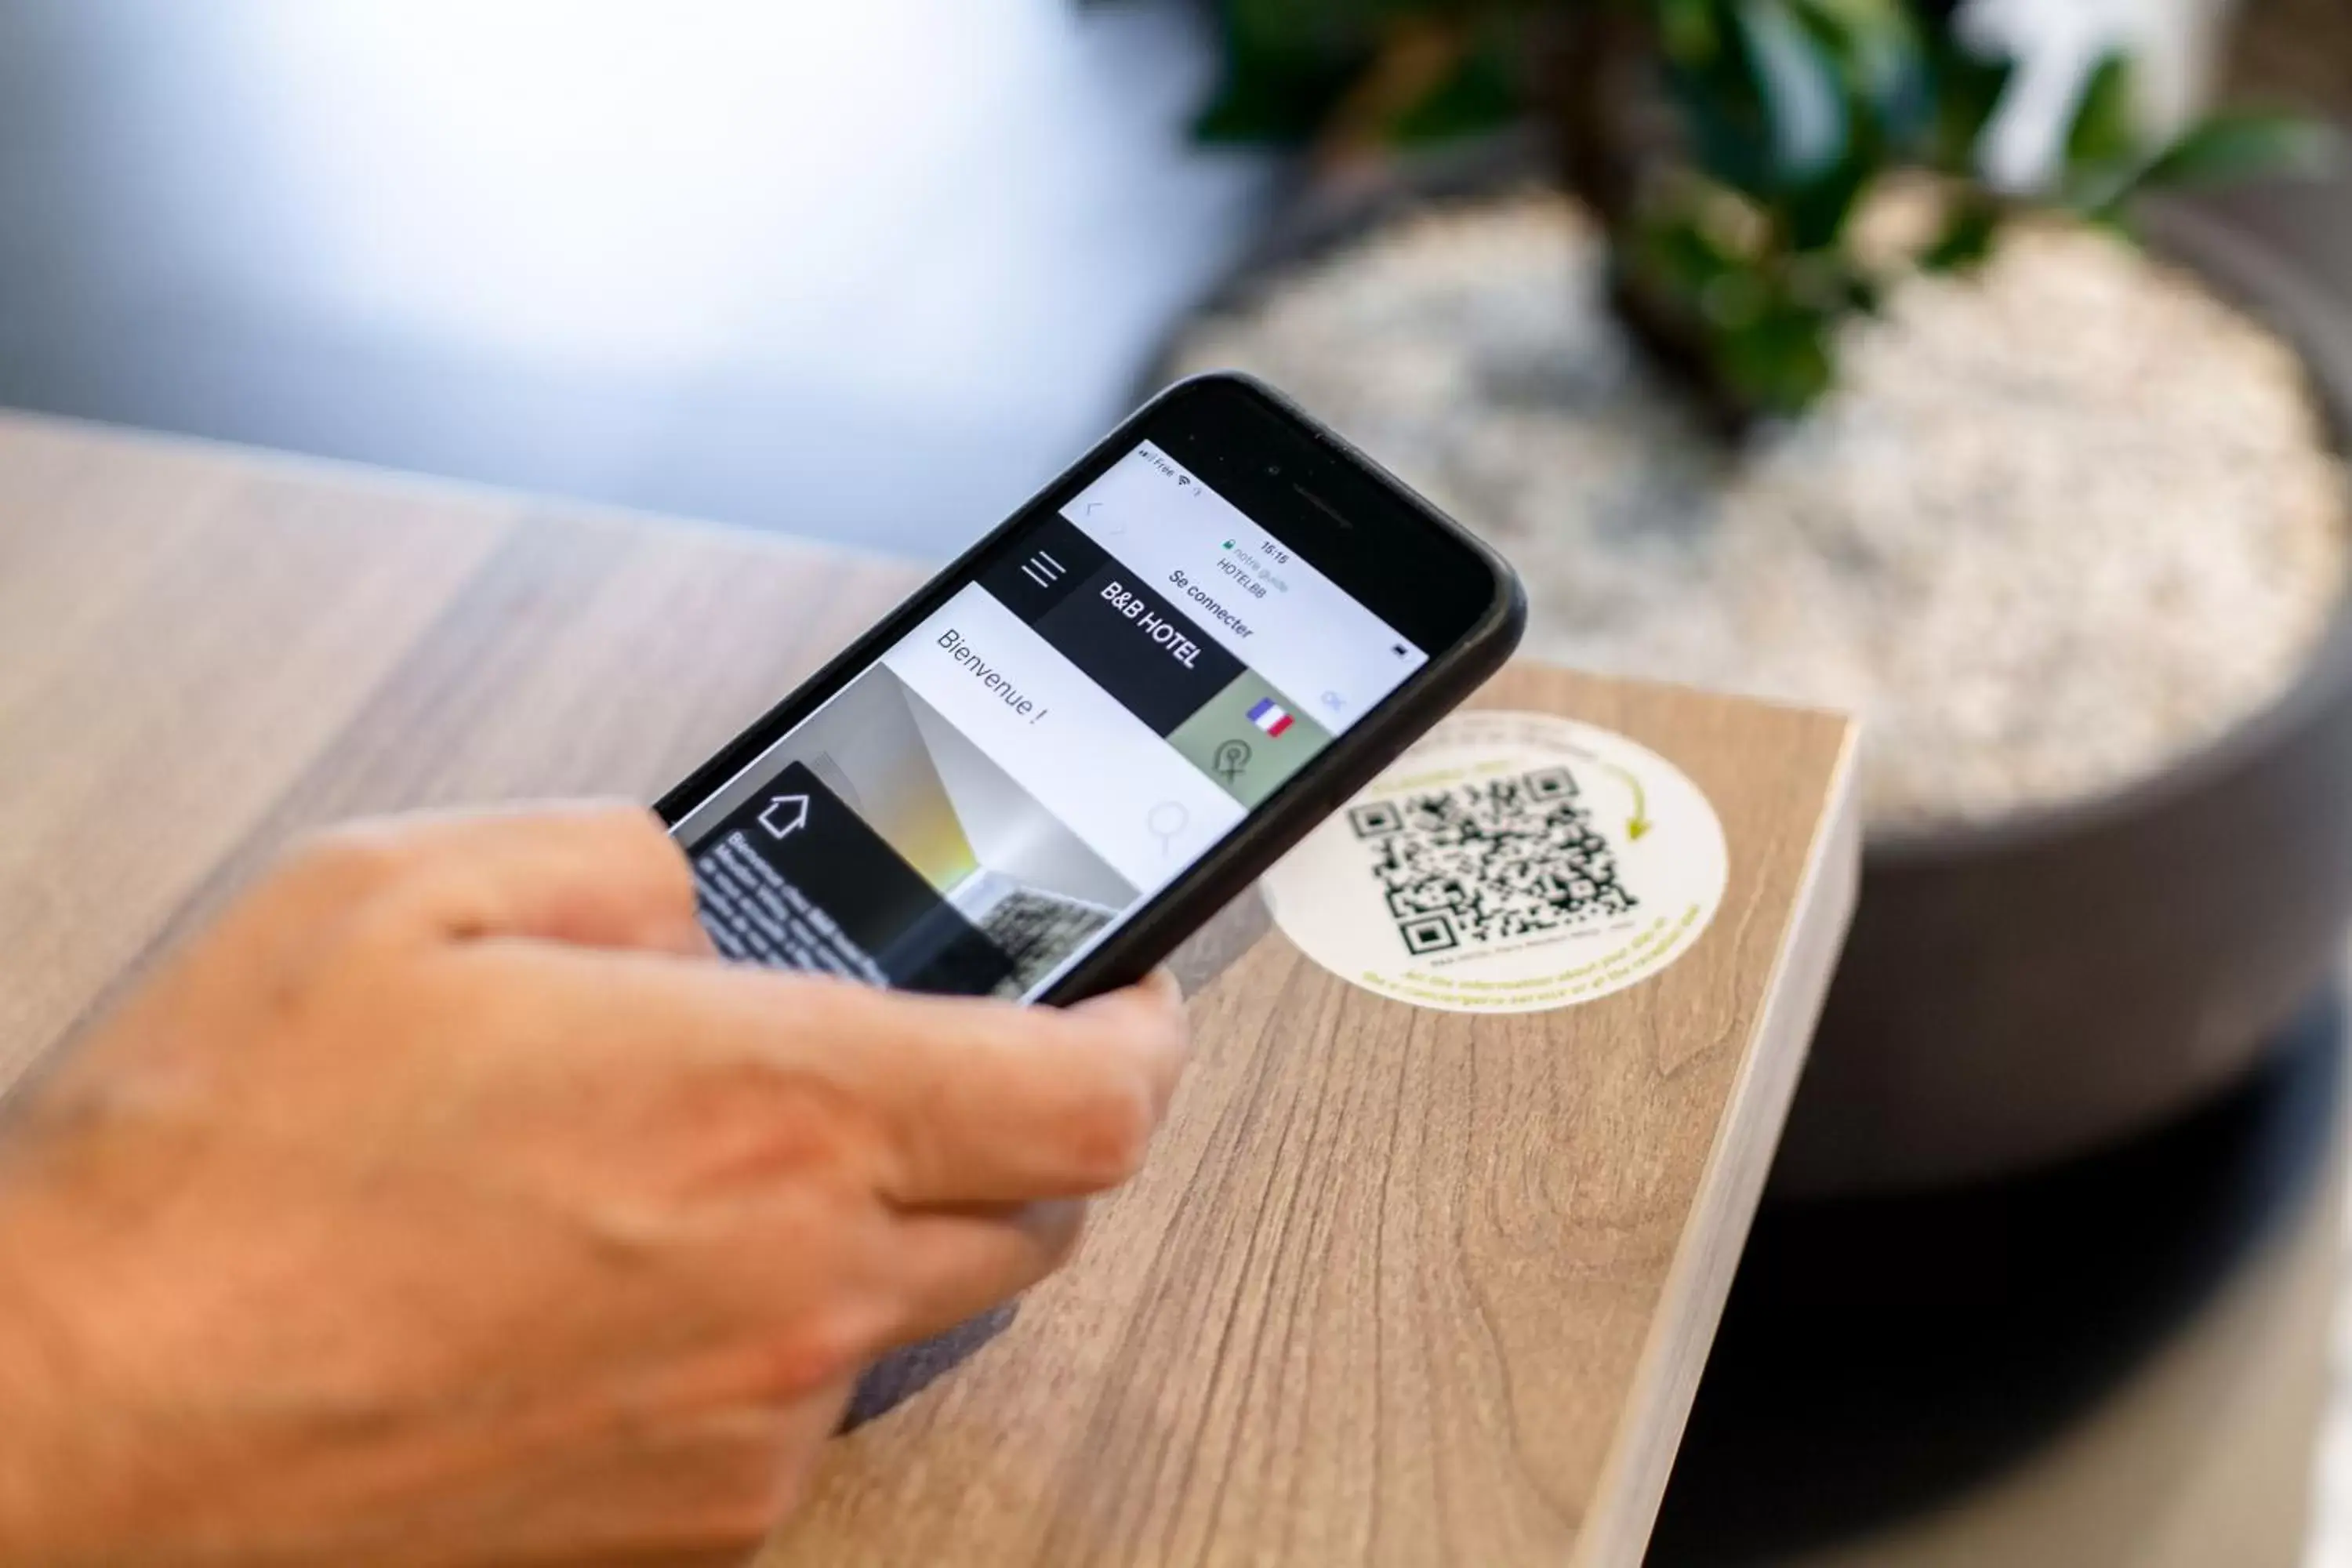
1490 861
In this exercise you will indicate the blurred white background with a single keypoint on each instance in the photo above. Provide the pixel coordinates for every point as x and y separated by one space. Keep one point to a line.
868 270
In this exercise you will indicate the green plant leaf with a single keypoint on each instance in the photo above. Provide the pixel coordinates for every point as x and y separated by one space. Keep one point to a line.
1816 214
2105 132
1720 100
2232 147
1798 82
1881 56
1483 94
1259 101
1286 65
1783 362
1969 231
1320 28
1967 89
1689 31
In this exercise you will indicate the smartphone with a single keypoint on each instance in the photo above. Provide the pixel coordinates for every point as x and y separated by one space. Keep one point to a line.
1070 749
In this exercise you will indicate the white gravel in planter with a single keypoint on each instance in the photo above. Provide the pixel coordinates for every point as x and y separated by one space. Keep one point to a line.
2063 523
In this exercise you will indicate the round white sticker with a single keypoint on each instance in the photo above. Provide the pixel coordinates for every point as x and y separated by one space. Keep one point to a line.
1508 863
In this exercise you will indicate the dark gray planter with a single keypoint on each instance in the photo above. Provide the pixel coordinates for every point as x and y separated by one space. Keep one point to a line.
2023 991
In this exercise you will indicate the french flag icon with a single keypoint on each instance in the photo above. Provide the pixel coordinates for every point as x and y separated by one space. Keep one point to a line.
1270 716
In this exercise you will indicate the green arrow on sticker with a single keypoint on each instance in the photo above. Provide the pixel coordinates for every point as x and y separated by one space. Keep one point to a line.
1638 826
1640 822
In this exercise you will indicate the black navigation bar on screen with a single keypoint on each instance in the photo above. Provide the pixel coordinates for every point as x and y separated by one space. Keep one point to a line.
1125 636
795 877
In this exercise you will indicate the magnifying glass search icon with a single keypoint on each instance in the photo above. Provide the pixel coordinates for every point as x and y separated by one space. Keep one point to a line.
1165 821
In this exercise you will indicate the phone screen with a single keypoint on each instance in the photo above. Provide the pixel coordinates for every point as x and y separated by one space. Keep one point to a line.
1106 697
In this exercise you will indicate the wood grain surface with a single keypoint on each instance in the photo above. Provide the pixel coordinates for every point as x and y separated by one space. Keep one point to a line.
1399 1286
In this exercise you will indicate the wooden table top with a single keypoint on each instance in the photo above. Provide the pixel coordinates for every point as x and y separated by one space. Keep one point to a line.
1399 1286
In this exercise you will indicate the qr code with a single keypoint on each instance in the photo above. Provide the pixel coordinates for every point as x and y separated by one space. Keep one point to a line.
1490 861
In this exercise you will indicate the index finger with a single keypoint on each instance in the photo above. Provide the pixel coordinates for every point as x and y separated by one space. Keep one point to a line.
986 1101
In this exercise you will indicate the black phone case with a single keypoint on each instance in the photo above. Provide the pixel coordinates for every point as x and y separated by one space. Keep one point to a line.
1278 821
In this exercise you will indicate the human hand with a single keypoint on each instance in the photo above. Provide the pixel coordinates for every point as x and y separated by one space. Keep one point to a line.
448 1203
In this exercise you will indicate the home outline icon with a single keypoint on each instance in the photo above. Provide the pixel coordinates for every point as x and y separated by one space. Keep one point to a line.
786 814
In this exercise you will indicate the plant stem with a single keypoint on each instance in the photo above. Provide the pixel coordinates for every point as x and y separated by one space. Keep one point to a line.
1599 93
